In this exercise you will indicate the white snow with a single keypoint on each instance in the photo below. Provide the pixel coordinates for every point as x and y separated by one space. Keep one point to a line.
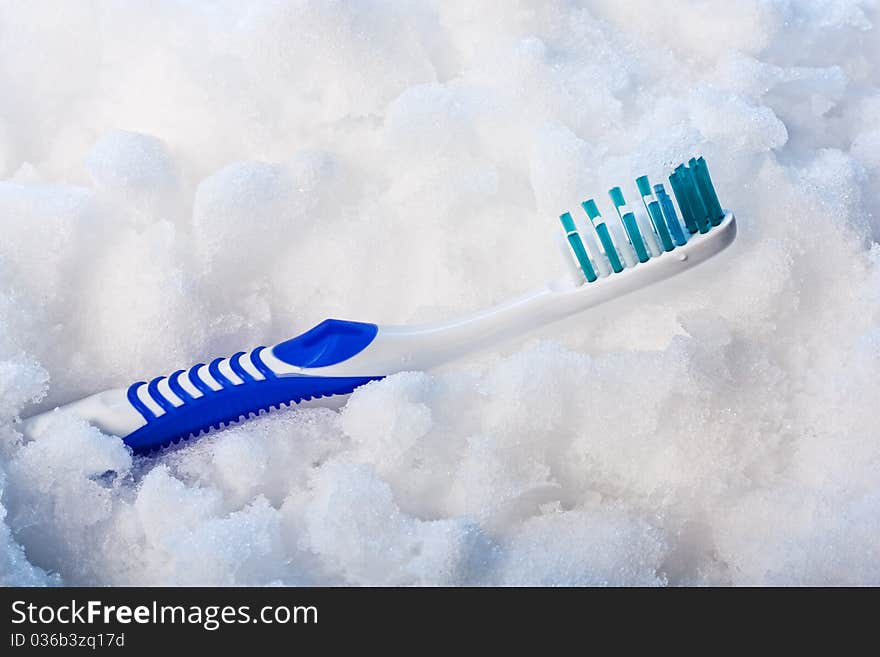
183 180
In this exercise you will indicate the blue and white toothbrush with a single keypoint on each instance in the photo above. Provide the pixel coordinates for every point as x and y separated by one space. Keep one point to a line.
608 259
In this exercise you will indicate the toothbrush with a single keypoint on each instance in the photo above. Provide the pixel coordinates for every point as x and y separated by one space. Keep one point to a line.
608 258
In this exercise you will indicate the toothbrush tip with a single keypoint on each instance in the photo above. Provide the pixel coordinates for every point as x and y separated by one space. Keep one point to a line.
590 207
567 222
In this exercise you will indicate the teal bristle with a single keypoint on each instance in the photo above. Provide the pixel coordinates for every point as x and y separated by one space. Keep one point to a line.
676 181
591 208
707 190
690 198
593 213
697 202
577 245
630 225
669 215
655 213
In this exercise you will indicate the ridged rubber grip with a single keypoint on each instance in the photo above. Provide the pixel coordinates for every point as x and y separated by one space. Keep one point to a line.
247 387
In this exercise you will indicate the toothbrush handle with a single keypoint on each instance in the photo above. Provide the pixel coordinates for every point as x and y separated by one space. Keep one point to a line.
204 397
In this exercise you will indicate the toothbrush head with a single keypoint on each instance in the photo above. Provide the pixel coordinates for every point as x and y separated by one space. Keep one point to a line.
634 237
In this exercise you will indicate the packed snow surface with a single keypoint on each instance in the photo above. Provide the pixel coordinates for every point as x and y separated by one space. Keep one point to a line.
183 180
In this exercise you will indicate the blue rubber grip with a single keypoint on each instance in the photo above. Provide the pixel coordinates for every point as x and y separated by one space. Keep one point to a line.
328 343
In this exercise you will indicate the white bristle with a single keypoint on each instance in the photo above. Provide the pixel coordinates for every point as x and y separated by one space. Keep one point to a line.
572 268
594 247
624 248
647 230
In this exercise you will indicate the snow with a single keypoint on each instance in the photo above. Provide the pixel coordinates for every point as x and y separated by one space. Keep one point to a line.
184 180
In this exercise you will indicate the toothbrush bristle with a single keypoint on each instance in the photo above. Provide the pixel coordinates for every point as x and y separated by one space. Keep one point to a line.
577 246
707 191
628 219
698 207
669 215
652 207
604 235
